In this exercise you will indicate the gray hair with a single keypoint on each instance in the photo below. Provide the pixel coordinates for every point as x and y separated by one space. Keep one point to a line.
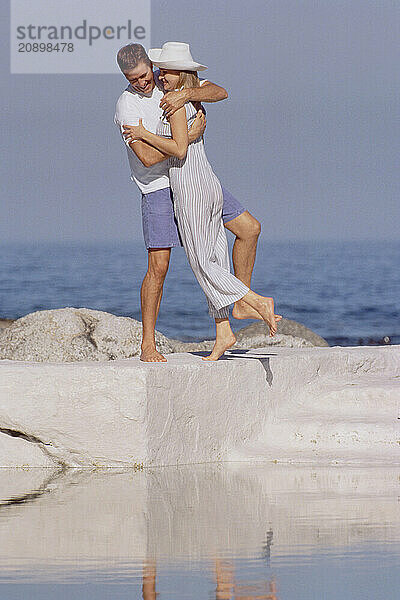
130 56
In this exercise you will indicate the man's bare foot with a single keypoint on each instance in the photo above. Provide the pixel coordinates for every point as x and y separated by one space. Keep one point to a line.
151 355
266 310
220 346
242 310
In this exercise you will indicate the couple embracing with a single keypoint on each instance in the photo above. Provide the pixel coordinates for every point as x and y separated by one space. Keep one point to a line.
162 123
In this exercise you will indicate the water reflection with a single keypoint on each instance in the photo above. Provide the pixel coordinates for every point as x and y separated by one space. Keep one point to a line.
239 528
226 588
149 581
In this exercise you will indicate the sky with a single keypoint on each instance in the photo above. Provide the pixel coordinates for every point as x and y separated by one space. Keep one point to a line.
308 139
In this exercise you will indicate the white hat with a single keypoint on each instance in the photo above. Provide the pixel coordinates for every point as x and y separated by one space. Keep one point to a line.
176 56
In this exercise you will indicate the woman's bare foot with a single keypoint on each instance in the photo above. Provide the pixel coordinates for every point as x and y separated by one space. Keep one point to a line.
221 344
150 354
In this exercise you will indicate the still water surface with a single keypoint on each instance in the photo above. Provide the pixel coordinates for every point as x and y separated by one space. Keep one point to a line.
224 532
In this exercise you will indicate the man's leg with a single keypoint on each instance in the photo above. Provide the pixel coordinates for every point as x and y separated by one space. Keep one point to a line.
160 235
247 230
150 299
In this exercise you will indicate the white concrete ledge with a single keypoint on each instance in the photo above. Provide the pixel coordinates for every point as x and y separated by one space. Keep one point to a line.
280 404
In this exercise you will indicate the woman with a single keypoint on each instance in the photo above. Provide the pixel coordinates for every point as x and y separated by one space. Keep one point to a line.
198 200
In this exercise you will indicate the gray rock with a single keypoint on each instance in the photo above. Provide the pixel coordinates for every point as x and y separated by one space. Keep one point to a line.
77 334
290 333
263 339
257 340
5 323
178 346
74 334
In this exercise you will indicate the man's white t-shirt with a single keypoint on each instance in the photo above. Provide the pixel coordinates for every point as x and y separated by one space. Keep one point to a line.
132 106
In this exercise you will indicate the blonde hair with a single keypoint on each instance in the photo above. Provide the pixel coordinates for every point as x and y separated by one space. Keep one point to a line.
188 79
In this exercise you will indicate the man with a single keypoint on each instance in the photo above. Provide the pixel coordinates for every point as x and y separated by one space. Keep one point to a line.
144 99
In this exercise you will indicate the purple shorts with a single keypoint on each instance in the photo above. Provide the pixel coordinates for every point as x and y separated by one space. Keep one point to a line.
160 229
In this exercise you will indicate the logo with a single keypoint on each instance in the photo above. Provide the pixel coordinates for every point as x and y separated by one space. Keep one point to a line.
78 36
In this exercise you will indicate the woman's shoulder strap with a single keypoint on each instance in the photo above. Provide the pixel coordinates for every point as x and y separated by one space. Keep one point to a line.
190 110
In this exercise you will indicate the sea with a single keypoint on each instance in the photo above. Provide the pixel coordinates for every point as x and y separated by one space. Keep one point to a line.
347 292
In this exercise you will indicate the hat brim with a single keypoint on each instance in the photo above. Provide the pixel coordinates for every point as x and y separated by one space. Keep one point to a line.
174 66
154 54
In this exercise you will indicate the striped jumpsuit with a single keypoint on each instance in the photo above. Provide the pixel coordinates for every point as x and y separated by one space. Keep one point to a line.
198 203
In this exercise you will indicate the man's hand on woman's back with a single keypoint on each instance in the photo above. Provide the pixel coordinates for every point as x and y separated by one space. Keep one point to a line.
198 127
171 101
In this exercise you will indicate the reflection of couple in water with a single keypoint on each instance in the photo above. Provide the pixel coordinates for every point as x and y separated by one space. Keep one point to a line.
166 152
226 588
